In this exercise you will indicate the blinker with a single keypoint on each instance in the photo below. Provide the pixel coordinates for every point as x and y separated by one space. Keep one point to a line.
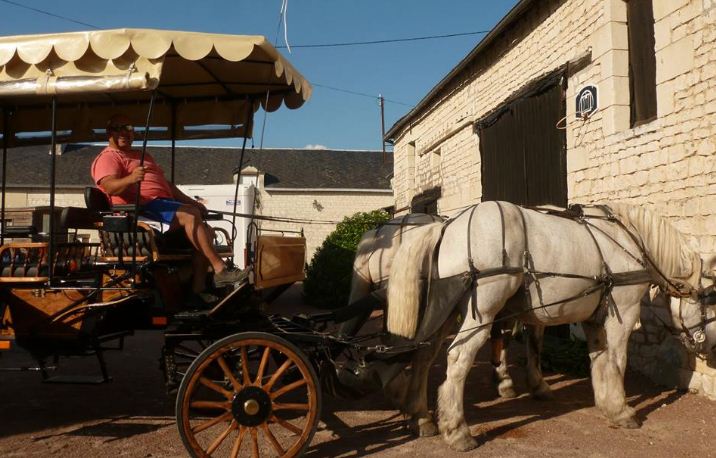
708 296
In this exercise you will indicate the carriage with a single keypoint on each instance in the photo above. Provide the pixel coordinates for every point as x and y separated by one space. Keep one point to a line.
245 381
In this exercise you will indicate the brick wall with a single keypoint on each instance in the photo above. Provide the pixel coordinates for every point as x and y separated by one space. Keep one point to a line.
668 164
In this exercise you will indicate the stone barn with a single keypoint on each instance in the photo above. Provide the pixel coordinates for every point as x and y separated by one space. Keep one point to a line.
579 101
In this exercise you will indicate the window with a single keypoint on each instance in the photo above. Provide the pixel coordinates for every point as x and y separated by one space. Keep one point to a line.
426 201
642 61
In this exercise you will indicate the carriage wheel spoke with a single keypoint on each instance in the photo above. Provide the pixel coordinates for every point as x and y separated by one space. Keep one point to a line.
284 423
245 365
237 443
262 366
209 423
255 442
286 364
213 386
210 405
290 387
227 372
212 448
273 439
290 406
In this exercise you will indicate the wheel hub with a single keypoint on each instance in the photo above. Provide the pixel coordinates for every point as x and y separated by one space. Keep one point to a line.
251 406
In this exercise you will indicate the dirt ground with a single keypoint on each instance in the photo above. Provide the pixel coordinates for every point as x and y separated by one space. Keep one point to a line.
133 417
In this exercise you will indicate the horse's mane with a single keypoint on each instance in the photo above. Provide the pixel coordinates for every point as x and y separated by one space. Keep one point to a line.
666 246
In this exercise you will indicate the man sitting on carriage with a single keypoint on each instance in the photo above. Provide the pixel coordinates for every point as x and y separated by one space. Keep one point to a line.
117 170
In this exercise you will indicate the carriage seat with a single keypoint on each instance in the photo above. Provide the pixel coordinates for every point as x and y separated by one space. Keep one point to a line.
151 243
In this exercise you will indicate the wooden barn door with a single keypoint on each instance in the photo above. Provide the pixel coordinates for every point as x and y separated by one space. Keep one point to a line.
523 152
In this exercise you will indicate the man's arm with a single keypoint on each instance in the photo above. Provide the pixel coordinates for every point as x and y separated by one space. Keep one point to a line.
113 185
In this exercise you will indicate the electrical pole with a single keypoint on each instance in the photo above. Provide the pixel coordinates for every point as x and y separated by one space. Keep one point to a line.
381 103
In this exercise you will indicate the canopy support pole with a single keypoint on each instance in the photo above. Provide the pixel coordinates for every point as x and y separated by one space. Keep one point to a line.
139 185
173 131
53 166
248 127
5 132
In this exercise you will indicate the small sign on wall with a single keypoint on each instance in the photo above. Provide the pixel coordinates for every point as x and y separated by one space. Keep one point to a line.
587 101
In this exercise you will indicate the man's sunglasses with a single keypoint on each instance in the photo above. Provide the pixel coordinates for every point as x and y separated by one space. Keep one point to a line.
121 127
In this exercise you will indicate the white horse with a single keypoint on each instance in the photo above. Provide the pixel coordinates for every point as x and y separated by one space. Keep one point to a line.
371 271
591 268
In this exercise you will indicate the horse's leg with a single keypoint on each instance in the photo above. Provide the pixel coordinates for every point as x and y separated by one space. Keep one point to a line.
500 374
416 405
608 353
534 336
461 355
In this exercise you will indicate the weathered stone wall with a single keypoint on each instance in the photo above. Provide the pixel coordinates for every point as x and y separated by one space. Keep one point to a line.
668 164
317 206
660 354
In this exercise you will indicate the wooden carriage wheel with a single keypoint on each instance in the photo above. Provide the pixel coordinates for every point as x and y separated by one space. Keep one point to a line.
249 394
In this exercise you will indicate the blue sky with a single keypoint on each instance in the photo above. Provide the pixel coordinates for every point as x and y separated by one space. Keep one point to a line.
401 72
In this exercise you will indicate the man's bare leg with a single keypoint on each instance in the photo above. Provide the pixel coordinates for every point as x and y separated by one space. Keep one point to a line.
200 236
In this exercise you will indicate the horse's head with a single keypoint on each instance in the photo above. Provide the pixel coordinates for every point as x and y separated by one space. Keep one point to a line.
695 314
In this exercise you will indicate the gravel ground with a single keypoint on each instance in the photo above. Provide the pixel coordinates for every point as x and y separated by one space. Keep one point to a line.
133 417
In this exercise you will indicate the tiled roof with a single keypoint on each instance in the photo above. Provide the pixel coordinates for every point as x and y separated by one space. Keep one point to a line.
284 168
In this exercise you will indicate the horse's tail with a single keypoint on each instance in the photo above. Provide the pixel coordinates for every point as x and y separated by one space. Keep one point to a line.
404 288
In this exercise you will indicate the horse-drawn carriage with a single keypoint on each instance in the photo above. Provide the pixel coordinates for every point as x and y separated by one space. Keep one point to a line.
64 295
246 381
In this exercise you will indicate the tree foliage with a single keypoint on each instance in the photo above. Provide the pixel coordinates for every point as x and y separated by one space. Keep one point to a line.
328 276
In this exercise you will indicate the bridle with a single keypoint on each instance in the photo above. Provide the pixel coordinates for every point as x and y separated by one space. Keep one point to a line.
694 337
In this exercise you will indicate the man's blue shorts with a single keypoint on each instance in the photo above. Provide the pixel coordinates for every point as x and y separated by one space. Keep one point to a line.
162 210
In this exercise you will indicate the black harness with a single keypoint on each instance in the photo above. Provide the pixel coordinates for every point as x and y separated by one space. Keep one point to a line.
604 283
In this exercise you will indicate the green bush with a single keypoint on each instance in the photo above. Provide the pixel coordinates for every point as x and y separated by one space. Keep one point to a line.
328 276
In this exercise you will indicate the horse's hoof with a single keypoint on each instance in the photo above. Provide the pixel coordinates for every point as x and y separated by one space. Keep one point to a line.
543 393
506 390
460 440
464 444
628 423
427 429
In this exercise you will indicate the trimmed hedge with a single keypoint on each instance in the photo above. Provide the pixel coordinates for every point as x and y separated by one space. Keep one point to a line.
328 276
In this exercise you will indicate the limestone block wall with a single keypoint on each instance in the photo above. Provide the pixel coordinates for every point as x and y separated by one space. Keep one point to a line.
328 205
668 164
439 146
660 354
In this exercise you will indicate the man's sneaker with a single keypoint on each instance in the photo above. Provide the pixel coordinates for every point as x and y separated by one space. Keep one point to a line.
229 277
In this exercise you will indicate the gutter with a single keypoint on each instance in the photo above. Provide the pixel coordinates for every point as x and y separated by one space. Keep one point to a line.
504 23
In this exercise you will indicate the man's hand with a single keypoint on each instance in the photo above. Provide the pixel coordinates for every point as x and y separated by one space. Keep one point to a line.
137 175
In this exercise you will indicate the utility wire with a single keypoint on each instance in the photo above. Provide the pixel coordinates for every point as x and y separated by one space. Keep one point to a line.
395 40
47 13
360 94
325 45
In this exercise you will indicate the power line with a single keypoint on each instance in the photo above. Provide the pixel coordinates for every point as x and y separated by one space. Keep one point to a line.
346 91
47 13
378 42
362 94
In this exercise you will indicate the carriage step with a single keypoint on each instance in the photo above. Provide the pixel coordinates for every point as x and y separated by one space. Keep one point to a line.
78 379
